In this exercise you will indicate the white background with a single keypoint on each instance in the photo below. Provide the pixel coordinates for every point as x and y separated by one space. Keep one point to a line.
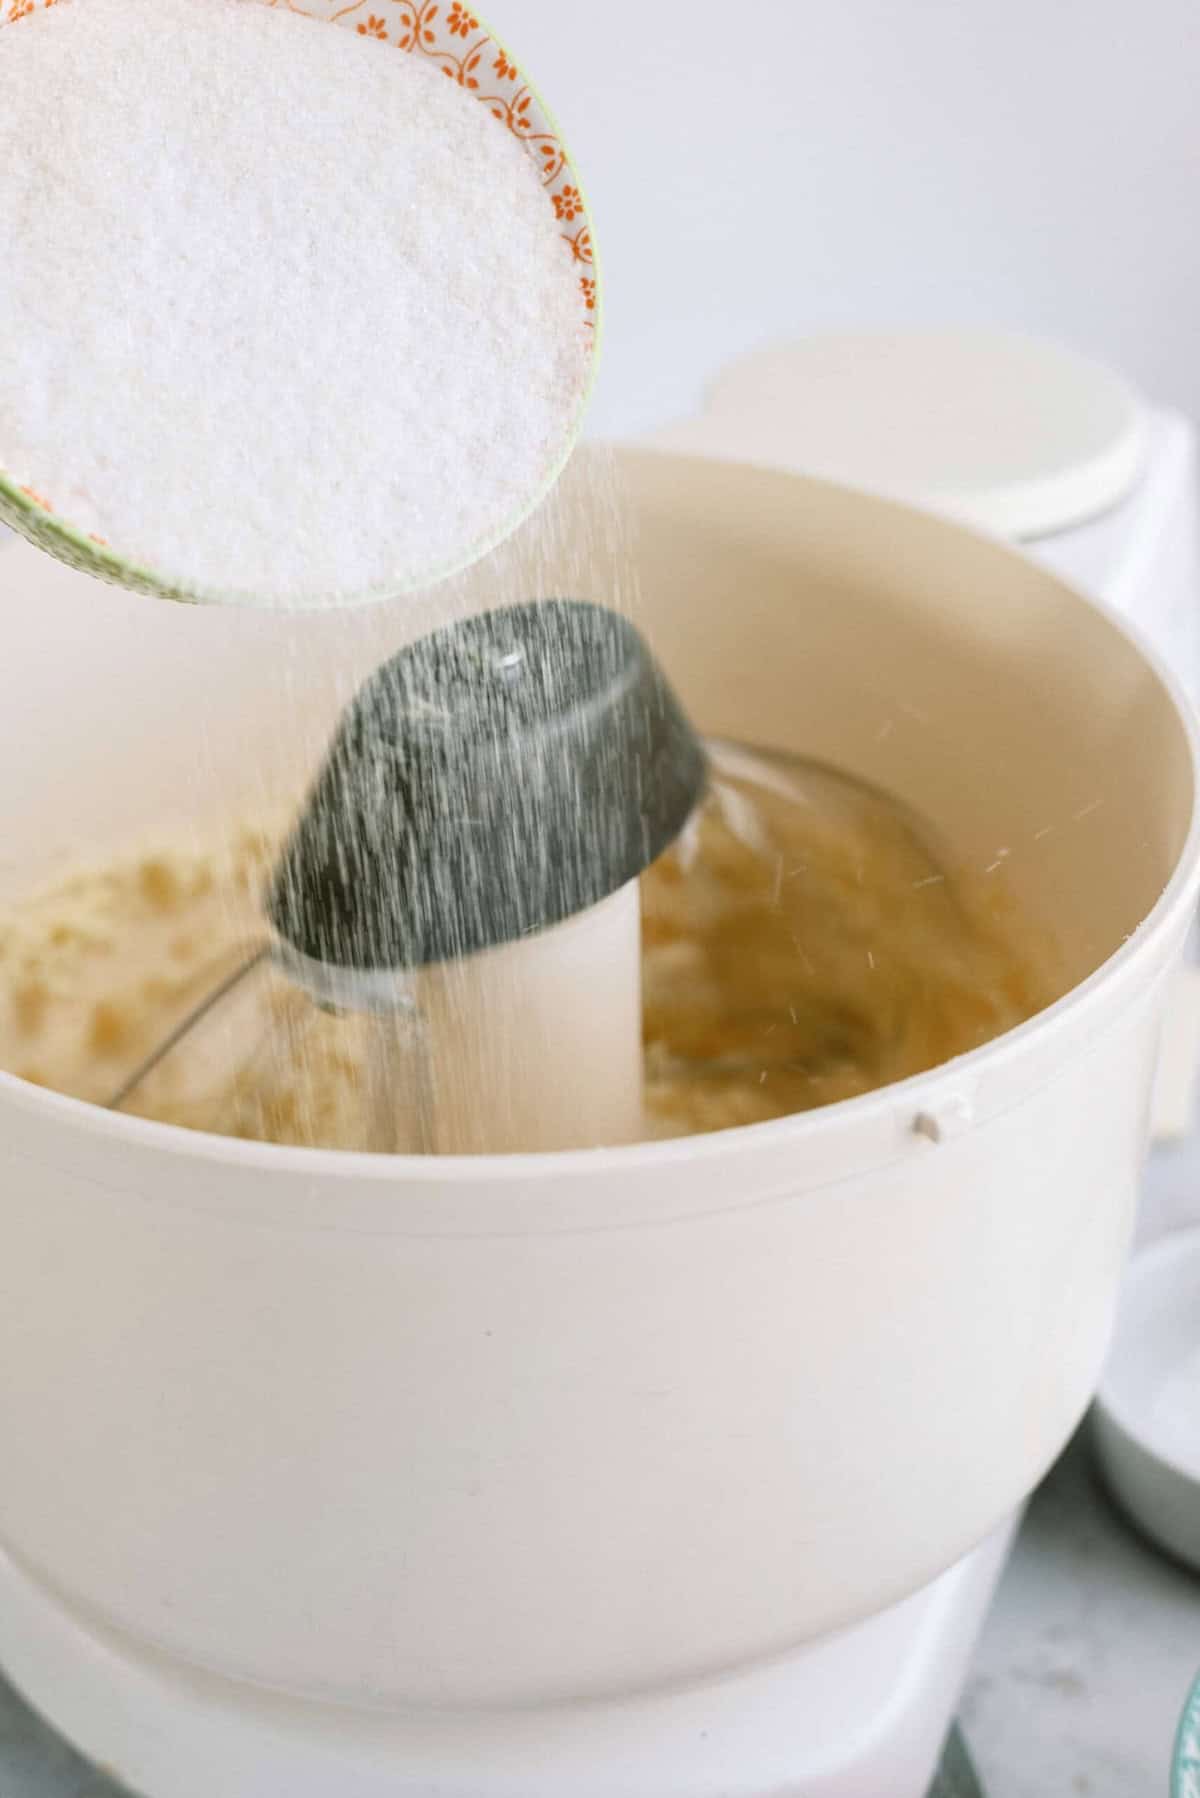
760 169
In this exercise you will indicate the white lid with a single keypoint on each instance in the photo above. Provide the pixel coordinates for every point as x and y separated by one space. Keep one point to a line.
1021 437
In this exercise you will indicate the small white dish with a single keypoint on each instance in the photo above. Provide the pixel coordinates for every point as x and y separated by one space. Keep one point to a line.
1146 1419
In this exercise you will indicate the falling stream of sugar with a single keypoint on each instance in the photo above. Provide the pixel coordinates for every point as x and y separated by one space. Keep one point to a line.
577 544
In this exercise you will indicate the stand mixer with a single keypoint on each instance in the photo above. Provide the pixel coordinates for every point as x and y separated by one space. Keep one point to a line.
647 1470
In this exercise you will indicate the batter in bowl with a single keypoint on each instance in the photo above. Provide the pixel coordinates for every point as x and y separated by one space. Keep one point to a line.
801 944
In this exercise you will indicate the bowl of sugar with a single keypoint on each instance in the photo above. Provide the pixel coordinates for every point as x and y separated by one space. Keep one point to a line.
1146 1420
332 306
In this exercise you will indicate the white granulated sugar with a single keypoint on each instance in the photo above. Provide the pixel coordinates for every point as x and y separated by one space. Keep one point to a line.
285 314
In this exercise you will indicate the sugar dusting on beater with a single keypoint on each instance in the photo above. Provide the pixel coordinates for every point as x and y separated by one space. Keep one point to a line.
289 316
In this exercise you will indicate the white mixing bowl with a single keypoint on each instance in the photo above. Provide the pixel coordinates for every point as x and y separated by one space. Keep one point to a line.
513 1430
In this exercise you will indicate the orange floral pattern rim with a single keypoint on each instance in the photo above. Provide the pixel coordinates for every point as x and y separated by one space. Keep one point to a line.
449 37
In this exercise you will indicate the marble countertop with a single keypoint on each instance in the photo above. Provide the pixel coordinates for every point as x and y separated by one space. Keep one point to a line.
1084 1664
1087 1655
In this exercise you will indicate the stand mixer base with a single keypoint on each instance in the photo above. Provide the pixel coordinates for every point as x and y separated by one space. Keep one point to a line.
860 1713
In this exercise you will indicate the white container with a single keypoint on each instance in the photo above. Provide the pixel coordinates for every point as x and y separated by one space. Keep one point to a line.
506 1431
